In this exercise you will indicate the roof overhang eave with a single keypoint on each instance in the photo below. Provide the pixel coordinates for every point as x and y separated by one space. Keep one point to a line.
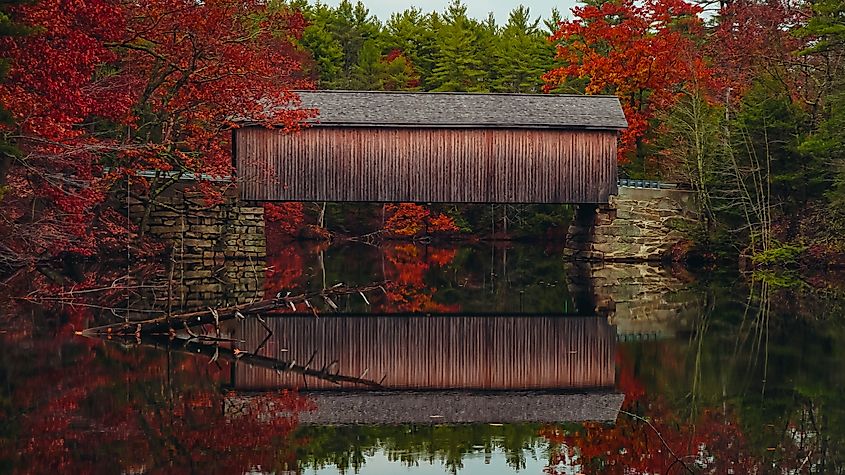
609 128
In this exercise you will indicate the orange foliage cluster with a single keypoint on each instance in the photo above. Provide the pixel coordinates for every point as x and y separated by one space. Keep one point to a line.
407 290
651 53
409 219
640 51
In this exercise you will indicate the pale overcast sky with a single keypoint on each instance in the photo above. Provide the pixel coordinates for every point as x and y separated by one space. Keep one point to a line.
475 8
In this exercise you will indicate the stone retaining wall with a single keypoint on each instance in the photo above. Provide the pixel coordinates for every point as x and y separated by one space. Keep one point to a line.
638 225
218 251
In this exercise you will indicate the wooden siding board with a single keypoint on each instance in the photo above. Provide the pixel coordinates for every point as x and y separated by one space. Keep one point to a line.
427 165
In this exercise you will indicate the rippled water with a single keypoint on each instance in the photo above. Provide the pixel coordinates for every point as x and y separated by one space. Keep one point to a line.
471 359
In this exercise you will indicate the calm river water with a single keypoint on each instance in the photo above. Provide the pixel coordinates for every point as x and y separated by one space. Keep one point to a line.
470 359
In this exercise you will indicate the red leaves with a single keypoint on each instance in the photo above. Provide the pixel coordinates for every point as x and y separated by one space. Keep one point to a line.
132 86
752 36
285 218
640 53
50 88
712 438
409 219
407 290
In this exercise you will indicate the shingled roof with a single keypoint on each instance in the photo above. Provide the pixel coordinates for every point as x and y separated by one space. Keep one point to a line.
430 109
451 407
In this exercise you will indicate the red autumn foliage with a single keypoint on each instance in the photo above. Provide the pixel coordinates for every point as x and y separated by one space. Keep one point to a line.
202 62
53 88
286 219
710 440
79 405
284 270
754 37
640 51
102 89
409 219
407 290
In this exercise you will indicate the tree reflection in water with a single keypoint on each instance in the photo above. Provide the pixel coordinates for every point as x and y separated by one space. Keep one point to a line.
755 389
74 405
746 384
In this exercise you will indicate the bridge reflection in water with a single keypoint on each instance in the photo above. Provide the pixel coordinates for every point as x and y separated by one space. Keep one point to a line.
440 368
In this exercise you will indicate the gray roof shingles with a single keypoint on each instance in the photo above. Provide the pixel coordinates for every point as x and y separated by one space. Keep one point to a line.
427 109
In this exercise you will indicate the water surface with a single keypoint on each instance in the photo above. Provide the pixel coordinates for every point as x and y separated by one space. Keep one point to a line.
471 359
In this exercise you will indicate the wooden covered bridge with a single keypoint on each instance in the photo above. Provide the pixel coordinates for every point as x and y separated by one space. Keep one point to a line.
437 148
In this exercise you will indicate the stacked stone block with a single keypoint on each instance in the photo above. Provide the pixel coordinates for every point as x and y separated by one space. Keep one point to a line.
218 251
638 225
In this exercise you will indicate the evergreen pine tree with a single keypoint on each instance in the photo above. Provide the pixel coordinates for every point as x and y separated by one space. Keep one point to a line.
369 72
414 34
325 49
457 67
523 54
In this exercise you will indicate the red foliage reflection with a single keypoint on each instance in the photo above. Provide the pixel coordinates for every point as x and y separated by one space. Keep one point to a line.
650 436
86 406
407 290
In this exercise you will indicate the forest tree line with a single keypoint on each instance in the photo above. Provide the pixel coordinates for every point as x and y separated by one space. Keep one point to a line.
741 100
415 50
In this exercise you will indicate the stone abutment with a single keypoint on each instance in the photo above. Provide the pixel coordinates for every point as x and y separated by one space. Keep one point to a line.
638 225
218 251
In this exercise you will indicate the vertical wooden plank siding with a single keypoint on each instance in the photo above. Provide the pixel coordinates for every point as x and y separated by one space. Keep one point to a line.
454 352
427 165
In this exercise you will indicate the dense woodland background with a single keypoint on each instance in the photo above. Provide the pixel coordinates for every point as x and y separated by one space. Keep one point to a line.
743 101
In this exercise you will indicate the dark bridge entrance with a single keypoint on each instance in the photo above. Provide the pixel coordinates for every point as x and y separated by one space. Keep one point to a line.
437 148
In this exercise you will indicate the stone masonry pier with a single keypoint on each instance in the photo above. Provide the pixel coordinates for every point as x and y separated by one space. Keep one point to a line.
638 225
218 250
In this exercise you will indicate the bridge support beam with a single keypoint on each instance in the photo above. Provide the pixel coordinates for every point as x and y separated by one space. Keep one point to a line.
638 225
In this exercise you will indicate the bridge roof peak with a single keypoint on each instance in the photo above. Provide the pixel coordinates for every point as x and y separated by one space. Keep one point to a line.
464 110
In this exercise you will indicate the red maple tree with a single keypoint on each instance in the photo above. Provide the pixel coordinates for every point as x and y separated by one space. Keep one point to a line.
285 219
100 90
639 51
410 219
752 38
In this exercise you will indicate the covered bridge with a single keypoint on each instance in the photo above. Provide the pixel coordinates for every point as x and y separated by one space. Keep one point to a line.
437 148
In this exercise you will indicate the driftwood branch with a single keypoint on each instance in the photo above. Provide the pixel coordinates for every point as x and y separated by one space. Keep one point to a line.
170 324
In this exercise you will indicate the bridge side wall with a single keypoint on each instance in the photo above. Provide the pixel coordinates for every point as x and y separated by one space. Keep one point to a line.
638 225
431 352
426 165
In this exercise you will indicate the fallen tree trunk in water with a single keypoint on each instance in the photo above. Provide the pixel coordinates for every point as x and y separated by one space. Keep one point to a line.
170 324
